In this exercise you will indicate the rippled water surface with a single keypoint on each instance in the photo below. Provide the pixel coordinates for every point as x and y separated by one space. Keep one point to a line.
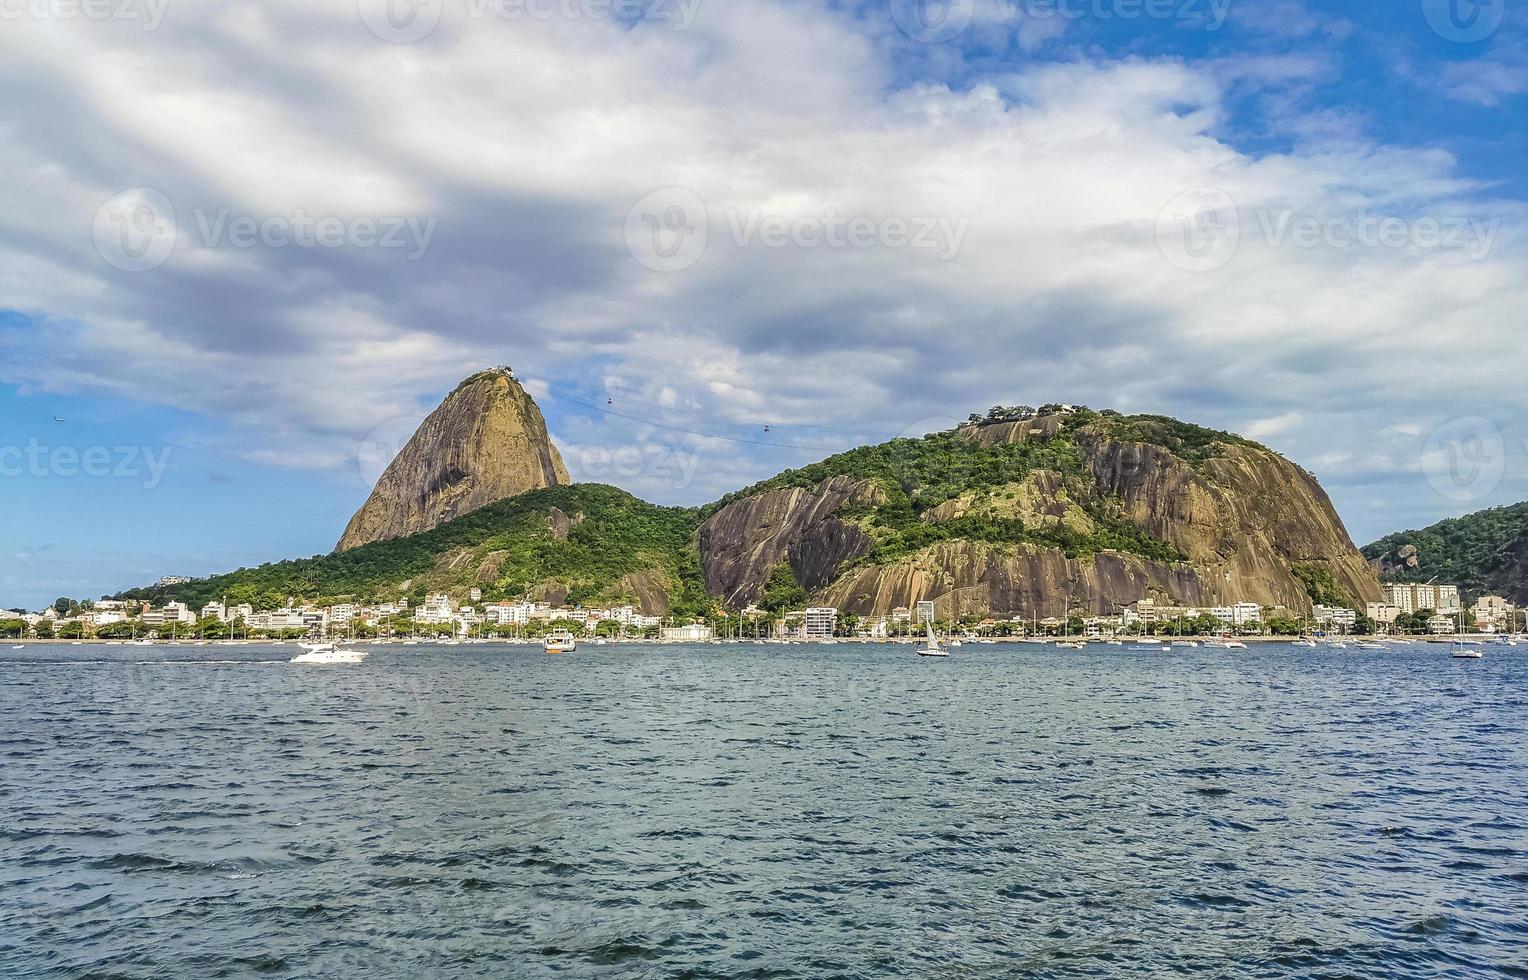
763 811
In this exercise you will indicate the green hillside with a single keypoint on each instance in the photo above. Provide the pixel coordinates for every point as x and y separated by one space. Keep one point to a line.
917 475
508 549
1456 551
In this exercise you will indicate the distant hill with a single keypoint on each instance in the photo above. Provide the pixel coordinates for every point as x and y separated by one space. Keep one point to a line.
1021 512
587 542
1061 508
1480 552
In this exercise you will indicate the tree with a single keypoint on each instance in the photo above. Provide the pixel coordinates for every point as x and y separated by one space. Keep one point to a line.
782 591
43 630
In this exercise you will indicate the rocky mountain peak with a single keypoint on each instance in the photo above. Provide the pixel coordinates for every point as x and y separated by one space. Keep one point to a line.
487 441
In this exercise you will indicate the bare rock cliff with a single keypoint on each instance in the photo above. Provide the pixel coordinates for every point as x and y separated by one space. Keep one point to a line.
487 441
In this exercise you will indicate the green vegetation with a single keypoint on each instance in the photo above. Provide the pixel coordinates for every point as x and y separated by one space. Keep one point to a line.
916 475
782 591
1458 550
1195 444
921 473
1321 587
507 549
511 549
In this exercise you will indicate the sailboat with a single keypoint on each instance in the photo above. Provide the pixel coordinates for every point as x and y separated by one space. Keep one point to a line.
1463 650
932 649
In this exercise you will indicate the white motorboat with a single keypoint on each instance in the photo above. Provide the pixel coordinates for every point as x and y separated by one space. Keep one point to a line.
328 653
559 641
1187 643
932 647
1371 645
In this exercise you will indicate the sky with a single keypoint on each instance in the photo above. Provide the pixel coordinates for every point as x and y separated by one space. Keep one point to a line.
245 248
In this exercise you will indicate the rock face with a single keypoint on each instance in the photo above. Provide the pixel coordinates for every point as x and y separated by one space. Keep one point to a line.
1244 518
742 543
487 441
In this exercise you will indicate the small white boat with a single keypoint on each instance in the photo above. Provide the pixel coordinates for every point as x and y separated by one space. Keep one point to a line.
1303 643
1467 653
1187 643
19 646
932 648
1069 645
1370 645
327 653
559 641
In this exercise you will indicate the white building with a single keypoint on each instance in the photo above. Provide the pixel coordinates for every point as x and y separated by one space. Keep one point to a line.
436 609
1241 614
1413 597
173 613
925 611
1382 612
1492 611
820 622
693 633
507 613
901 614
1335 617
1442 625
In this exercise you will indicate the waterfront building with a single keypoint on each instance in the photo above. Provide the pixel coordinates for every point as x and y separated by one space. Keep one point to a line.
1335 617
819 622
693 633
1382 612
436 609
1441 625
1412 597
925 611
1492 611
901 614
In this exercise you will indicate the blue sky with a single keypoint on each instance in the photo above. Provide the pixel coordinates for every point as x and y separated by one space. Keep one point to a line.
243 276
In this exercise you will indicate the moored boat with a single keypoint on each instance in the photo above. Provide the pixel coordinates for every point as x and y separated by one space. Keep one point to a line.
559 641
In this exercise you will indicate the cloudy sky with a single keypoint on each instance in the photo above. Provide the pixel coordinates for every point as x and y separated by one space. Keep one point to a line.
244 248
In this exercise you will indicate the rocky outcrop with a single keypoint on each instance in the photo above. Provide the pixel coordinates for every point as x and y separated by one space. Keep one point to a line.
1247 515
487 441
744 541
970 577
1244 518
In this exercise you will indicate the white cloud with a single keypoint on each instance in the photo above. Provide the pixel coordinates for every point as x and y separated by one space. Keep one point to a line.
530 141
